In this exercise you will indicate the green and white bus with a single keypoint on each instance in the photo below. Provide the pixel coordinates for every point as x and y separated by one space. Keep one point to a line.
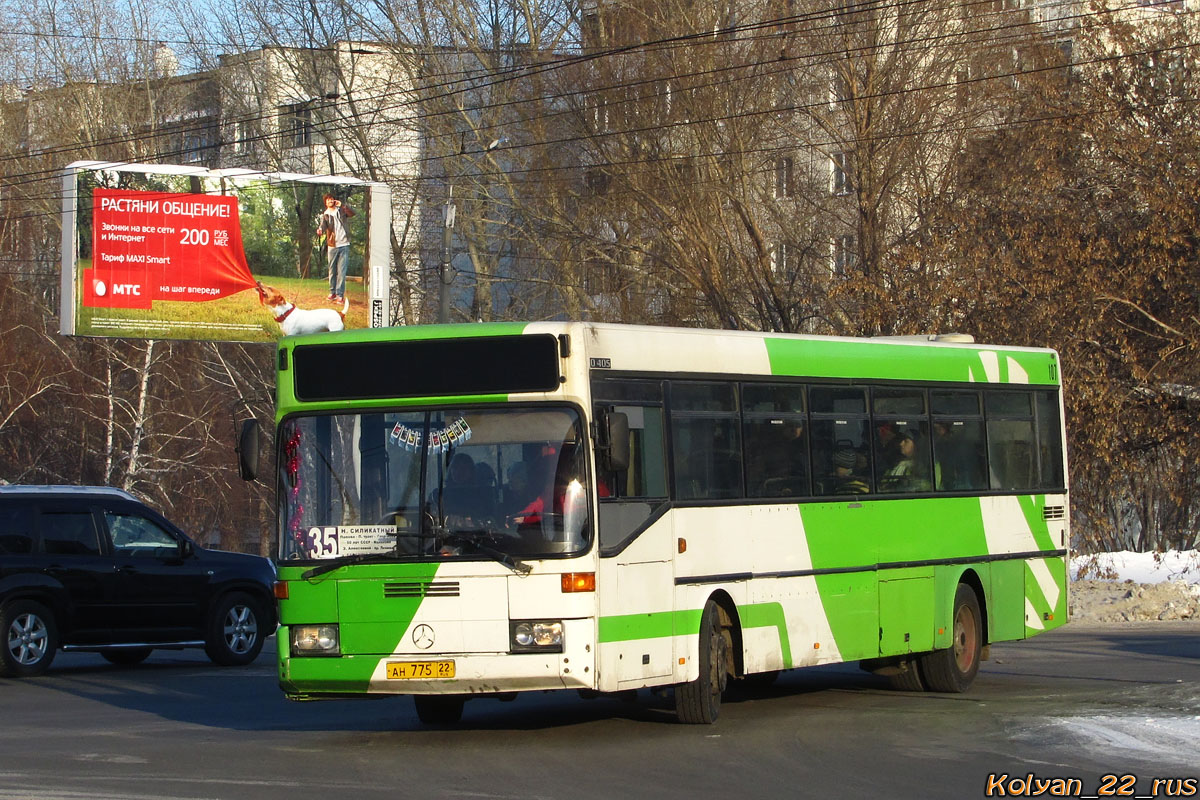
478 510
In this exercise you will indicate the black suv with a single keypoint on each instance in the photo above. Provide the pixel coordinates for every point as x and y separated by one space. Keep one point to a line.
92 568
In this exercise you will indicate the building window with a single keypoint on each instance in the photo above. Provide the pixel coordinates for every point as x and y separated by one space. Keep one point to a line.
243 137
785 177
841 182
784 256
197 145
295 125
845 254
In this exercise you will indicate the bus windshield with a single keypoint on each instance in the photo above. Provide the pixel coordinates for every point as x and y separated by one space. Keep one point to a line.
433 483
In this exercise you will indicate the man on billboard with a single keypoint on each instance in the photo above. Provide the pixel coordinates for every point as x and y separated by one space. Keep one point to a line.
337 244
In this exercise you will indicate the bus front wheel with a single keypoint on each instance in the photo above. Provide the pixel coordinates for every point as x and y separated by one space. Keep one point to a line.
954 669
699 701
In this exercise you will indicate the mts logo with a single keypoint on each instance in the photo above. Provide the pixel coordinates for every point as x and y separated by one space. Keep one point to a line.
127 288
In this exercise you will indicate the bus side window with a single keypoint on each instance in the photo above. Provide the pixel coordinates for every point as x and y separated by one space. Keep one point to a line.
1011 451
841 456
629 498
958 440
1049 440
775 440
706 440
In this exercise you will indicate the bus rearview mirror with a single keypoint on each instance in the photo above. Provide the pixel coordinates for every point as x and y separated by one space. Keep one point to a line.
616 439
248 449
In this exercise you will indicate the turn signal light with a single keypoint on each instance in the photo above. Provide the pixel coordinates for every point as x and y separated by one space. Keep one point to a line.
281 590
579 582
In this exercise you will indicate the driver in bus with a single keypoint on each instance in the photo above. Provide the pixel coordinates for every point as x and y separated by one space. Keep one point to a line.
463 497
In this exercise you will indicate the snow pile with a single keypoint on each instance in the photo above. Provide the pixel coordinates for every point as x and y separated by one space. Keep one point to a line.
1132 587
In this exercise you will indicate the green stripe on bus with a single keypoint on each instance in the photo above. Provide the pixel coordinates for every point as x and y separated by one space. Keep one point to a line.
767 615
657 625
653 625
903 362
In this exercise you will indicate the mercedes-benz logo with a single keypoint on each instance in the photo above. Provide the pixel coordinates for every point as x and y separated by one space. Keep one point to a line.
423 636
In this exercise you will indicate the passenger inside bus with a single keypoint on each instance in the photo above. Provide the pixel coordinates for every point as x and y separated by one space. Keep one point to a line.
843 480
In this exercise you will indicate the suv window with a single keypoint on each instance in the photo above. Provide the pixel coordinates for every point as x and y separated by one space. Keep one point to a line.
133 535
16 530
69 533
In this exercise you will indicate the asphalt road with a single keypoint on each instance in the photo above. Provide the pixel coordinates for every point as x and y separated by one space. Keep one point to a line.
1079 703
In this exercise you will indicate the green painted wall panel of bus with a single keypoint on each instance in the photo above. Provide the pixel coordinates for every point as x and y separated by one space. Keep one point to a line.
1006 611
851 603
905 609
311 602
1033 507
329 675
894 361
1046 593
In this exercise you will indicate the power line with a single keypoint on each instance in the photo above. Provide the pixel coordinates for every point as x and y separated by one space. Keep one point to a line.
260 116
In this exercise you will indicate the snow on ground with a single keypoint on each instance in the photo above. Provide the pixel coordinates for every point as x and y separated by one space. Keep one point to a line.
1173 565
1129 587
1135 587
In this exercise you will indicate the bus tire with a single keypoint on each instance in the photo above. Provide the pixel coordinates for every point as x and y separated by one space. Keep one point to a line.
907 678
698 702
439 709
29 638
953 670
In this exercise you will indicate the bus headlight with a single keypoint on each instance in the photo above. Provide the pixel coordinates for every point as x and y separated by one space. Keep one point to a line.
536 636
315 640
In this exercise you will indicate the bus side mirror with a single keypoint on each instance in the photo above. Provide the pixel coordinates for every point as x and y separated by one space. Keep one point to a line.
247 449
616 442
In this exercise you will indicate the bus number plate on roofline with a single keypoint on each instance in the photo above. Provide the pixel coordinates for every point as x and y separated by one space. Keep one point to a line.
419 670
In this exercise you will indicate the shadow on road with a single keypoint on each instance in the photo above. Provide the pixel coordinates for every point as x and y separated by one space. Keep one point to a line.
186 687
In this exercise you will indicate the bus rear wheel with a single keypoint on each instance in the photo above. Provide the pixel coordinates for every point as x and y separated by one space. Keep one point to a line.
698 702
953 670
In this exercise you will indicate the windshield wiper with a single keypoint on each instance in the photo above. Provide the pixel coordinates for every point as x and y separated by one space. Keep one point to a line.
366 558
338 563
475 538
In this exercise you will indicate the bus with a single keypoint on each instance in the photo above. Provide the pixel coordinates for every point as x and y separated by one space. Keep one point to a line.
478 510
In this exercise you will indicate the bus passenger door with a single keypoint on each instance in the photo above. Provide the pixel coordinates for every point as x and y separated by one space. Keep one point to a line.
637 568
640 612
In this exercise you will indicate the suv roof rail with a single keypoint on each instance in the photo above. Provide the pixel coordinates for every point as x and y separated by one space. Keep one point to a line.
105 491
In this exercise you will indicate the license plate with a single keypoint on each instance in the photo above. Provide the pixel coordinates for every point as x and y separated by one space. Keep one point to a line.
419 670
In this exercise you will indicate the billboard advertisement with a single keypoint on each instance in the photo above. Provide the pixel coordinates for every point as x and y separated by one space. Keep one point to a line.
165 252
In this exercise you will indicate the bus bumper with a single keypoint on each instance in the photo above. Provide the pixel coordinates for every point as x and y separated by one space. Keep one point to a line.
311 677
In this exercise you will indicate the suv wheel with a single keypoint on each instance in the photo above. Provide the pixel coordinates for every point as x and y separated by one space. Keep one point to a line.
30 639
234 638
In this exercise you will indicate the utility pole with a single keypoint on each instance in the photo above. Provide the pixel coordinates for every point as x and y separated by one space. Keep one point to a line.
445 273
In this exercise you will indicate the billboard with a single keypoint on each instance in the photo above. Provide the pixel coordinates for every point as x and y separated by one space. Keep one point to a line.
172 252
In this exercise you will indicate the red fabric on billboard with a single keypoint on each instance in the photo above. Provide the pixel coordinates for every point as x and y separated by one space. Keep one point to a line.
150 246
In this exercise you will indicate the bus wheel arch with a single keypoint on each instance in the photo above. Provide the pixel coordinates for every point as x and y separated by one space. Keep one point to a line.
732 625
953 669
972 579
699 701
